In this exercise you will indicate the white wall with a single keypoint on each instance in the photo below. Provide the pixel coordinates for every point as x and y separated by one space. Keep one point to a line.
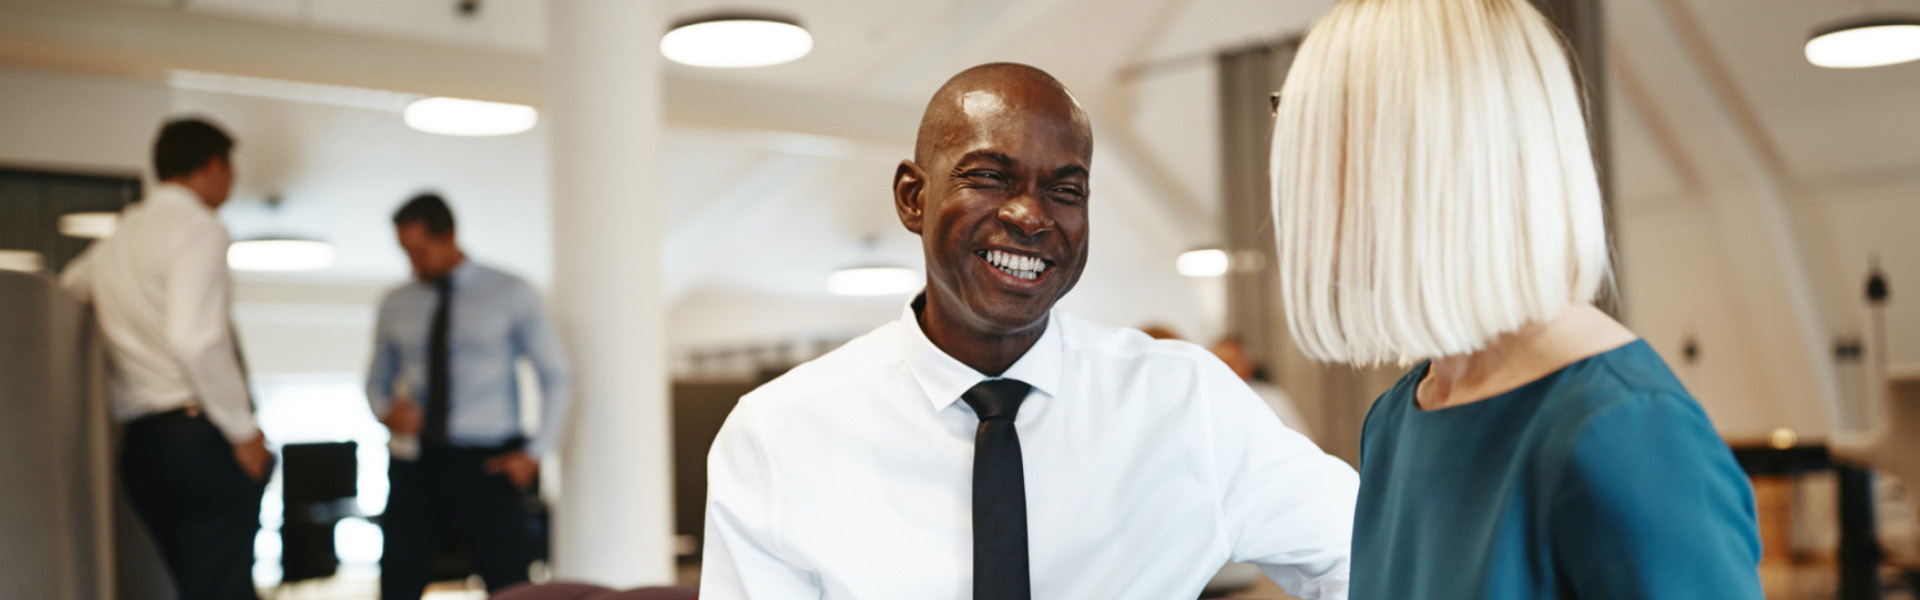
1883 221
1680 280
1678 284
64 121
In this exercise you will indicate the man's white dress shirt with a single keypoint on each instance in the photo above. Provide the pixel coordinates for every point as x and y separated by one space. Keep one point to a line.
163 297
1148 465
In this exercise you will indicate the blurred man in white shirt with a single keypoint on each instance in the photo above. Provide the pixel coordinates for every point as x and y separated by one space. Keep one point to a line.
193 461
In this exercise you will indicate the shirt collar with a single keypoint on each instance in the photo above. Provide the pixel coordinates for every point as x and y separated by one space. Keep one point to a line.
945 378
462 273
174 193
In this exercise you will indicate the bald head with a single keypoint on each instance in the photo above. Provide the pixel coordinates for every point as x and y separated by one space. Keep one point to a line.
997 92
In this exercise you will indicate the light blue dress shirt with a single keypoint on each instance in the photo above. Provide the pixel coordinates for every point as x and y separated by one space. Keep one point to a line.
495 319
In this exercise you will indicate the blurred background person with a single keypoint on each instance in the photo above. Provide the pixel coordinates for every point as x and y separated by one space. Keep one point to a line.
450 340
193 461
1436 201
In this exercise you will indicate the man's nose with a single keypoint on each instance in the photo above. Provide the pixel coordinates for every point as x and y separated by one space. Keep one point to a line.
1027 212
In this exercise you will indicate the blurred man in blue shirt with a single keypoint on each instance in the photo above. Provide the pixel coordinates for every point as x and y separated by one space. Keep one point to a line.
443 376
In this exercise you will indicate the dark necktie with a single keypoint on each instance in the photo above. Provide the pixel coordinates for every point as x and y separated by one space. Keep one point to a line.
439 379
999 493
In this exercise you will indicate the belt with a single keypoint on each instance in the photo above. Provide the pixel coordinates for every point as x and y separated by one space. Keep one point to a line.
190 411
511 445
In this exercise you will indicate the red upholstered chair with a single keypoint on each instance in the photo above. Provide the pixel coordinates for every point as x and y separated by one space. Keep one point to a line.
582 591
553 591
655 593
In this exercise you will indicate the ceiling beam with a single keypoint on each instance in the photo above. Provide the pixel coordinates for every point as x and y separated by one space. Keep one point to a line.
1640 102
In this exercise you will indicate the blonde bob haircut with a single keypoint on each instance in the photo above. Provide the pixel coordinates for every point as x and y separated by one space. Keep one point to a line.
1432 183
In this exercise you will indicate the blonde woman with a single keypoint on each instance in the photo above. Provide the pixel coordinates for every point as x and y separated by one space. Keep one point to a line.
1436 204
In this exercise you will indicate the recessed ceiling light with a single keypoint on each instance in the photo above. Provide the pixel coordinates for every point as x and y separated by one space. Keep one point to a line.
873 281
462 117
25 261
734 41
279 254
1870 43
1207 262
92 225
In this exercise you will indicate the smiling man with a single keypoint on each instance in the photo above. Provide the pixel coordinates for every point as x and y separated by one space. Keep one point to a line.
986 446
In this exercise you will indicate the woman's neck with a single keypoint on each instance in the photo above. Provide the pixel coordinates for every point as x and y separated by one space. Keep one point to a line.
1518 358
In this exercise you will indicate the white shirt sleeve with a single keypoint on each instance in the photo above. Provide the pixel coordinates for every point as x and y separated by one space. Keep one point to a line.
199 326
1287 506
741 558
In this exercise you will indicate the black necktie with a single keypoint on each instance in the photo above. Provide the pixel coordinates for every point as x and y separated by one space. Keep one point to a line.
438 376
999 493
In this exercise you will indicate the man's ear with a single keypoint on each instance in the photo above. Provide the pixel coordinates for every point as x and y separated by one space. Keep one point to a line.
909 200
223 161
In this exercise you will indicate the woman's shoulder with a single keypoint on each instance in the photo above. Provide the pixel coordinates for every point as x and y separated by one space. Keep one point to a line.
1632 375
1626 406
1625 397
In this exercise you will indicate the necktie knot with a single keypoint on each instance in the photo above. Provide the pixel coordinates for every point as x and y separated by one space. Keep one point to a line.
997 398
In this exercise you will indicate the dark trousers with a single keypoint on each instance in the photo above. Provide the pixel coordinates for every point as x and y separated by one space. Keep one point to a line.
449 491
201 508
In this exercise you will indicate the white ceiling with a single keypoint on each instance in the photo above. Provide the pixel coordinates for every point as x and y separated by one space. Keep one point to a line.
1817 128
814 191
509 25
1824 125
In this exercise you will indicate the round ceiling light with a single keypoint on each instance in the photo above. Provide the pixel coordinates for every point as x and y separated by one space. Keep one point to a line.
735 41
25 261
90 225
279 254
1207 262
873 281
1866 44
470 118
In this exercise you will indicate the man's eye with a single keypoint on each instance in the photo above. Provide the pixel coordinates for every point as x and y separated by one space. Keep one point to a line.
1071 192
990 175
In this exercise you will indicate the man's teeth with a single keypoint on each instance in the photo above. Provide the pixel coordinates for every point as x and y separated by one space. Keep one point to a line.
1024 267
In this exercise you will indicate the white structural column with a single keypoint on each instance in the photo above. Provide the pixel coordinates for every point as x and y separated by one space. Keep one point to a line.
614 522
